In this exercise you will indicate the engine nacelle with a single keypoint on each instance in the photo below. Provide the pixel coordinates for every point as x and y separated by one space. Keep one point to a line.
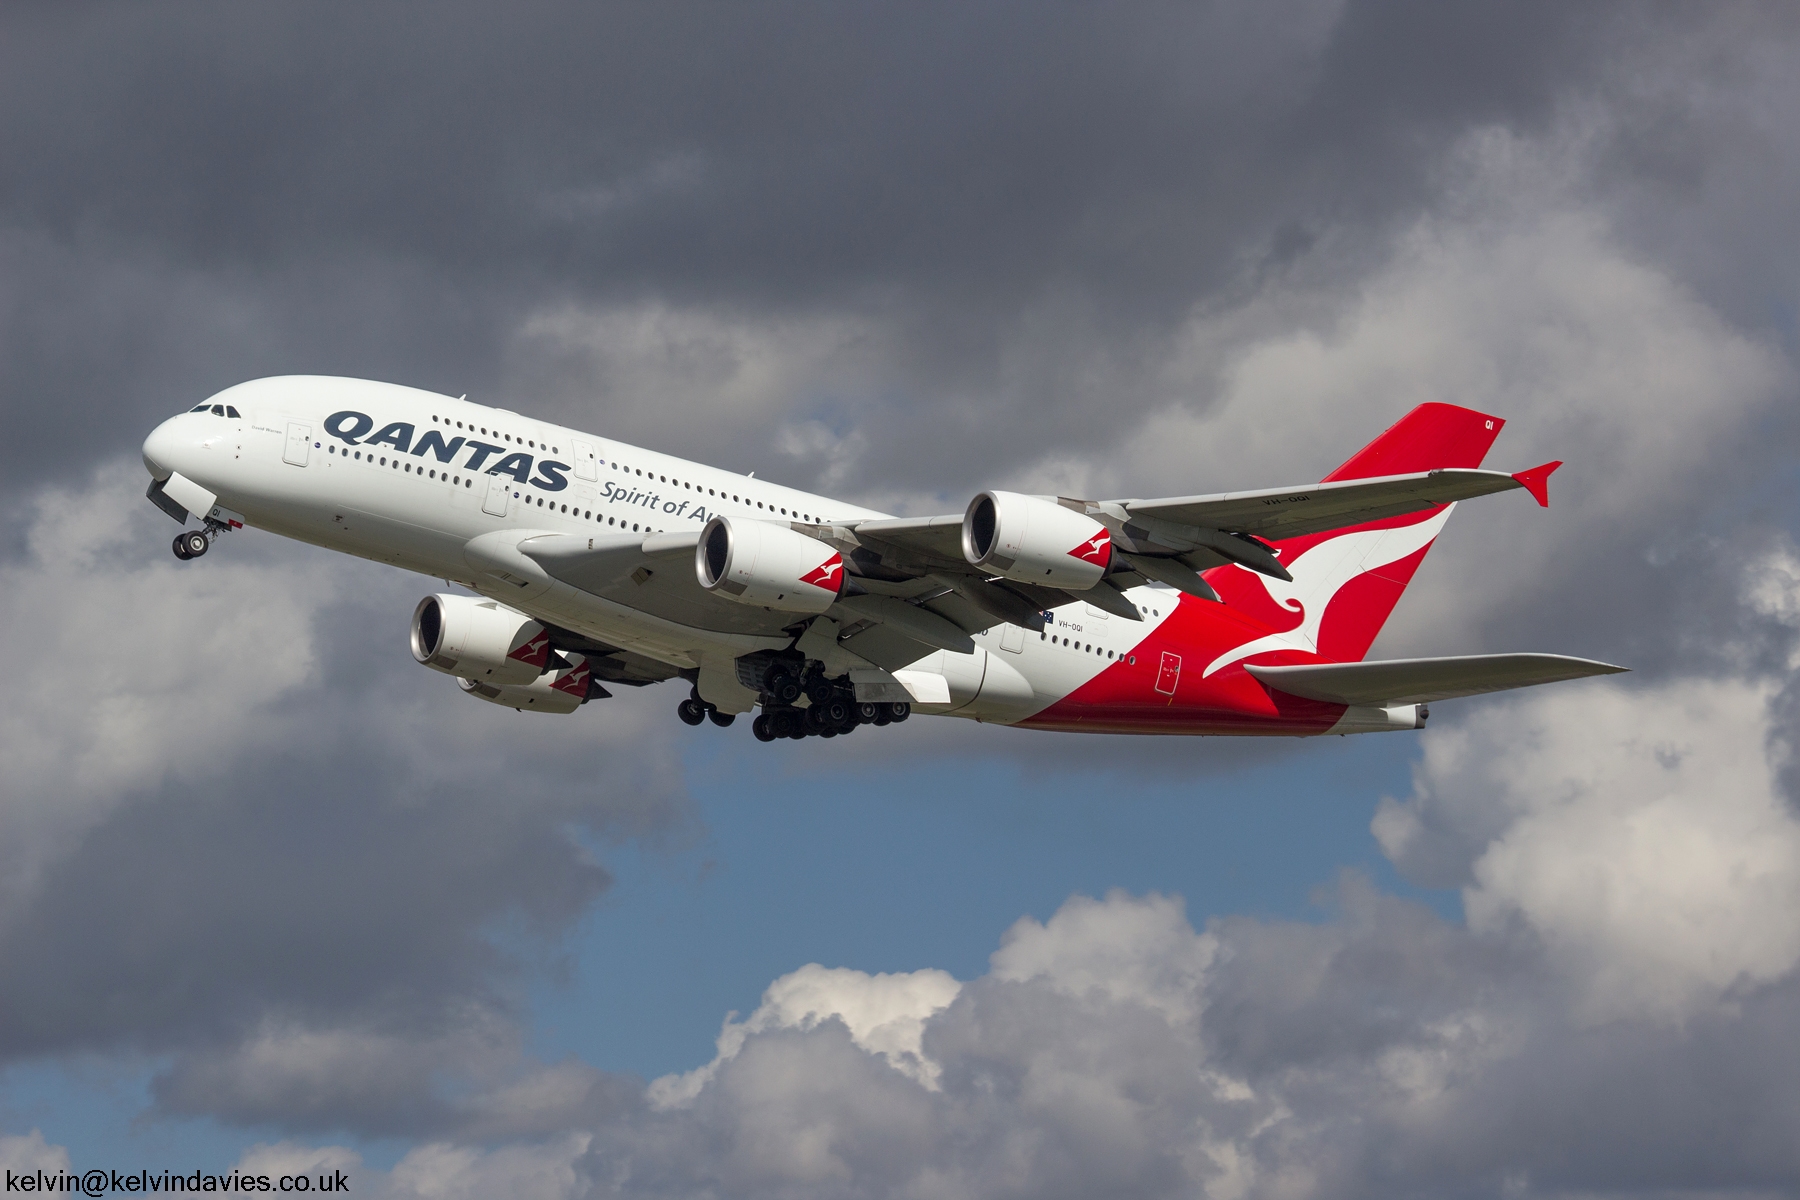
1035 541
767 565
479 639
560 691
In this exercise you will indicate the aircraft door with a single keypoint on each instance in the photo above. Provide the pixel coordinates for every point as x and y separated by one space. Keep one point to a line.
495 502
587 465
1168 674
299 441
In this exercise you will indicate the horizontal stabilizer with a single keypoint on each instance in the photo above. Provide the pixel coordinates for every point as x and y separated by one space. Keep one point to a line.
1423 680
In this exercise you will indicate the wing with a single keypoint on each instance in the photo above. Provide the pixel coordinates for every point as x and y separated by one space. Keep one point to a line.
1290 512
1422 680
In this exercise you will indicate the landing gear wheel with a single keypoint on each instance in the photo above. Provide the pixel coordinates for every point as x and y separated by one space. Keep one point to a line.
721 719
783 688
819 689
690 711
760 727
181 547
195 542
899 711
867 713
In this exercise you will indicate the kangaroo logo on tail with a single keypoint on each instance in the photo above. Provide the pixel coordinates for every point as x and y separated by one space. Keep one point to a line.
1320 572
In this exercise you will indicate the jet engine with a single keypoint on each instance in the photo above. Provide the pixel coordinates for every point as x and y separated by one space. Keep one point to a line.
560 691
1034 540
479 639
768 565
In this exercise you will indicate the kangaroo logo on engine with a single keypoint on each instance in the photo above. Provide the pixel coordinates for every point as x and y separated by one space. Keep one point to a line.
1094 550
826 575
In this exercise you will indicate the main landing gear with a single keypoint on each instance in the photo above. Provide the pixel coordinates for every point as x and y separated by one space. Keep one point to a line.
192 543
832 707
694 710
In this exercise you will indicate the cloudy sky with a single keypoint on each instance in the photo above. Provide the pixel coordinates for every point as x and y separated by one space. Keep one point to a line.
273 897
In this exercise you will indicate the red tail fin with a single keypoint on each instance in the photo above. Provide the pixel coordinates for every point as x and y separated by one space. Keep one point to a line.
1428 437
1347 581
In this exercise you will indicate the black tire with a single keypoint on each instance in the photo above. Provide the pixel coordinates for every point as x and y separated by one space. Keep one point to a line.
195 543
866 712
819 689
785 723
721 719
837 713
760 727
828 733
898 711
180 549
784 688
690 712
882 718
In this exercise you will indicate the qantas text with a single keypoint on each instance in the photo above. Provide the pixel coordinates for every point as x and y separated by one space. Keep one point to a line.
358 429
352 428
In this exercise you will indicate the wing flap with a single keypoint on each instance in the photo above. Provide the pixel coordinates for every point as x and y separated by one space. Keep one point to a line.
1423 680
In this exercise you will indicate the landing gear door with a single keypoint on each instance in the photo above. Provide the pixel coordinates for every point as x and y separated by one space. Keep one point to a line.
587 465
299 441
495 502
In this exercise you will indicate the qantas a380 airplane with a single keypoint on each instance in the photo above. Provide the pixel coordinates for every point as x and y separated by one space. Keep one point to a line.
594 563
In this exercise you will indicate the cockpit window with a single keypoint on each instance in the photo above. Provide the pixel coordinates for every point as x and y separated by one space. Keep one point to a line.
218 410
198 408
231 411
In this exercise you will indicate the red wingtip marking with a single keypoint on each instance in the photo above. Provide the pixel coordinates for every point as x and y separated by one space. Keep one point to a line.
1537 482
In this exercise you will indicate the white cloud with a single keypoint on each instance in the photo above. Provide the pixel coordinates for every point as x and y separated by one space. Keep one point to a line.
441 1171
31 1153
1645 838
884 1013
1122 950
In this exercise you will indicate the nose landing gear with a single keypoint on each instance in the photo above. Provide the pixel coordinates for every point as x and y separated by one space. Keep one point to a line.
192 543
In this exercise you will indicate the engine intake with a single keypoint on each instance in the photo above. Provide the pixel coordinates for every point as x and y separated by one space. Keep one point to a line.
479 639
767 565
1034 540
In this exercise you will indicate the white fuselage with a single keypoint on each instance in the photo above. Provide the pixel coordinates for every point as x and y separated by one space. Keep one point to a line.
411 478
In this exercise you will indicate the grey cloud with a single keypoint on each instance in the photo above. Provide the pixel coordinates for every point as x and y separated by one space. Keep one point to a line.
258 837
904 254
1385 1052
374 193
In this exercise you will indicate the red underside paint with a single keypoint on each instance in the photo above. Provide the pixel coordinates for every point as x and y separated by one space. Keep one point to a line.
1126 698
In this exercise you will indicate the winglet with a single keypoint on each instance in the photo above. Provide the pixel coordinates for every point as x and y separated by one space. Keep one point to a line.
1537 482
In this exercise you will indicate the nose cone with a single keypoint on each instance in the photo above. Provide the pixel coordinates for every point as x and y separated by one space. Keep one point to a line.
162 448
